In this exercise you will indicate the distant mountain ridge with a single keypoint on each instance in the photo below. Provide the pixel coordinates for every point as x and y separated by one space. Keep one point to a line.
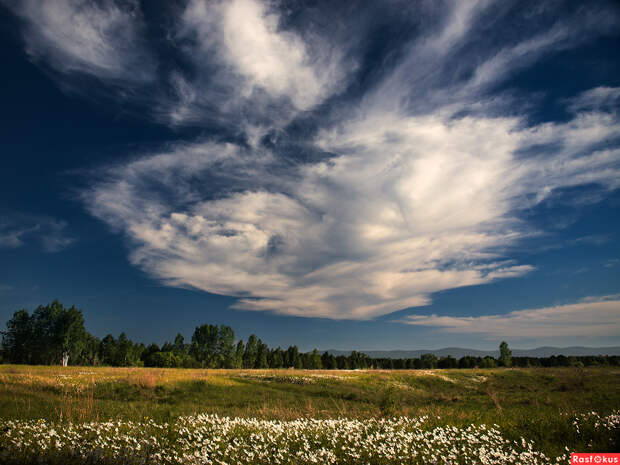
458 352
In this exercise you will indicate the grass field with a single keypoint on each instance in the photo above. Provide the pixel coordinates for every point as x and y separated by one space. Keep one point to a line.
549 408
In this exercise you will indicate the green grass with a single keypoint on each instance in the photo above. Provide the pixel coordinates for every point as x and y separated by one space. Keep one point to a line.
535 403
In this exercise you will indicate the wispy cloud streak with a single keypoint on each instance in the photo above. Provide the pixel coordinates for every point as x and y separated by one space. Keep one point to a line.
247 70
102 39
592 317
20 230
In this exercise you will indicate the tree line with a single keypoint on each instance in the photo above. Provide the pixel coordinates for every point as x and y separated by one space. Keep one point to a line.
53 334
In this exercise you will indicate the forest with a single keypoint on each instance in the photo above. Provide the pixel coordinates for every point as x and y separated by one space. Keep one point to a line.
55 335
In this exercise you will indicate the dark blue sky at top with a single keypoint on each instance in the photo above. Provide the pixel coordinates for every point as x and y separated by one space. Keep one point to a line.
61 131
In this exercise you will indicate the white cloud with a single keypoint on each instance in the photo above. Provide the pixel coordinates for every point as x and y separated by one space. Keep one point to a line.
457 24
595 99
19 230
592 317
417 198
53 236
455 67
11 239
563 34
249 68
412 206
98 38
275 60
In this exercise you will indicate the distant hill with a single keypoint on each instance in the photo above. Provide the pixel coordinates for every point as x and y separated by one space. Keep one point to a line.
458 352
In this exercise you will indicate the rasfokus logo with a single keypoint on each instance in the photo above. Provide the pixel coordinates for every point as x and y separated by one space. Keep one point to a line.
594 458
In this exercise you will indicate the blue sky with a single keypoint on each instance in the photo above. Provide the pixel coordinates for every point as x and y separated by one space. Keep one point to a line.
372 175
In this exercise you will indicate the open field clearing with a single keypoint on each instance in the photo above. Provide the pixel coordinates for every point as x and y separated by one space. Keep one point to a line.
146 415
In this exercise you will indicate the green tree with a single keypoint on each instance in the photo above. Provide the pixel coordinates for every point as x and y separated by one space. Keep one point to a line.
204 345
107 350
123 352
17 339
328 361
505 355
53 334
226 347
70 334
447 362
305 360
128 353
276 359
58 334
90 353
293 360
315 360
358 360
428 360
148 355
239 354
262 354
251 352
342 362
166 360
179 345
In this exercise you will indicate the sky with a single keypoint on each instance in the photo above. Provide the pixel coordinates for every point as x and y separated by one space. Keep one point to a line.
339 175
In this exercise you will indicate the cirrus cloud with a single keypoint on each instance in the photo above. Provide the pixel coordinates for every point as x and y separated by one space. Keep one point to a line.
341 193
22 229
411 206
103 39
591 317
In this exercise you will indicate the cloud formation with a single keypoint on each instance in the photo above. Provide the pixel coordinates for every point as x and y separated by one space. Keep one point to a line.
246 69
273 60
102 39
350 185
412 206
23 229
592 317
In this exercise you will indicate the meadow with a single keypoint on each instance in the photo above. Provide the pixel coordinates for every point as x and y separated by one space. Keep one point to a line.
151 415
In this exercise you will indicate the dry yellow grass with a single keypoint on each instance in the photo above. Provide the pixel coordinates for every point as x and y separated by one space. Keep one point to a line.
532 400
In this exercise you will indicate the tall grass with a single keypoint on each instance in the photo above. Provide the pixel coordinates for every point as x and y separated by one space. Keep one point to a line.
535 403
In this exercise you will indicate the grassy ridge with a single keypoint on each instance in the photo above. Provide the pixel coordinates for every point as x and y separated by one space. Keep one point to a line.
536 403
